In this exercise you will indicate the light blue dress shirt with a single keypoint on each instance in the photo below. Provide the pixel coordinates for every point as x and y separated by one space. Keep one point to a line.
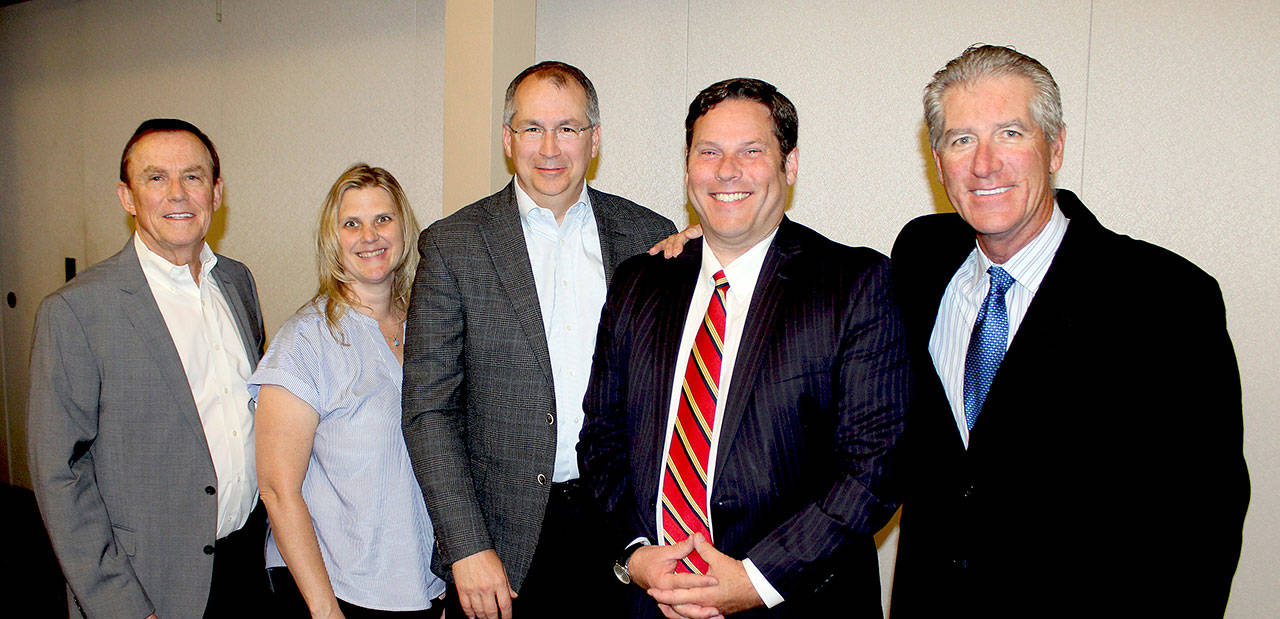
568 272
966 292
365 503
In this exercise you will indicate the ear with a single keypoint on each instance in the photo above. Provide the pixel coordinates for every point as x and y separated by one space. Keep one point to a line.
217 194
126 198
595 141
937 165
792 165
506 141
1055 155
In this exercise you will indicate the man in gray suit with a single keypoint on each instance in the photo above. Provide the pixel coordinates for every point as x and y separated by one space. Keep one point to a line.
141 436
500 335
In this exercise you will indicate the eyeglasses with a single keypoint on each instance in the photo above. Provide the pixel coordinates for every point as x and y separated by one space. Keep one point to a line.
563 133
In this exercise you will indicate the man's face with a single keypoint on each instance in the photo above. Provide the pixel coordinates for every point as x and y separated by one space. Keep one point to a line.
996 164
171 193
737 176
551 168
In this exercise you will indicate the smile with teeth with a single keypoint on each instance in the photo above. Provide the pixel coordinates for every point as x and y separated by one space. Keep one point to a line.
180 216
371 253
730 196
992 192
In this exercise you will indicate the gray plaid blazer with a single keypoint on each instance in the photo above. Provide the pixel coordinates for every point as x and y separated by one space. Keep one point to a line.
477 375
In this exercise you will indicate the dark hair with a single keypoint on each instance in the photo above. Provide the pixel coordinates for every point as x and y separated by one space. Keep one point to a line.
156 125
786 123
559 73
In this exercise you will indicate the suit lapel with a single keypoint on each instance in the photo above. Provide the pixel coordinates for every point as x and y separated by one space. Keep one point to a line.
149 327
505 238
612 232
671 309
238 302
772 285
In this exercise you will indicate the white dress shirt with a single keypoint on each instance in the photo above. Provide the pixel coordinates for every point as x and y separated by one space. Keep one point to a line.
568 272
742 274
217 365
966 292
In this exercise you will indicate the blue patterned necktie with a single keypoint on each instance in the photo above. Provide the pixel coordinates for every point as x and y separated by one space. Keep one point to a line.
986 344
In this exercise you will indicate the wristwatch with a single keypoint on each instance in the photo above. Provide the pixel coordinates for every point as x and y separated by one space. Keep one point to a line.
620 566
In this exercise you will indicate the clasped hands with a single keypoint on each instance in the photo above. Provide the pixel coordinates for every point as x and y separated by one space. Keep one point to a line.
725 588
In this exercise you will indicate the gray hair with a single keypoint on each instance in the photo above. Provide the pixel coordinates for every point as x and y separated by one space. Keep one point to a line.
559 73
980 61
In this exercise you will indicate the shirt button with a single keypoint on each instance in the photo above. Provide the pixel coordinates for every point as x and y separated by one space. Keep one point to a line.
550 419
208 549
568 327
542 479
210 490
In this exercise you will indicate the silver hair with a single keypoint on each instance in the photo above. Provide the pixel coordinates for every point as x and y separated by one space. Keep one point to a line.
980 61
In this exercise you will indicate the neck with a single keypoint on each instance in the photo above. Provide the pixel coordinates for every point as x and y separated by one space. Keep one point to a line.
375 301
184 257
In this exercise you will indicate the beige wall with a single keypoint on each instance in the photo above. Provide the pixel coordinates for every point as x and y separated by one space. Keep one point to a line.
290 92
1171 138
1170 110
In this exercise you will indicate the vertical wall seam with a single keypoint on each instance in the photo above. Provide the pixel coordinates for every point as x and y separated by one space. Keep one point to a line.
1088 76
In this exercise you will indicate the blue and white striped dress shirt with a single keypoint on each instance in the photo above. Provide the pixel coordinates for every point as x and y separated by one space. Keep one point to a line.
966 292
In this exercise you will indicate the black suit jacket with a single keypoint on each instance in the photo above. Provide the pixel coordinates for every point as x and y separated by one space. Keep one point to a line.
1104 473
814 412
478 390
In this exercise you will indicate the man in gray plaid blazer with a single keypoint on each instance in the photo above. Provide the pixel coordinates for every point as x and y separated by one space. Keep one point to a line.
500 333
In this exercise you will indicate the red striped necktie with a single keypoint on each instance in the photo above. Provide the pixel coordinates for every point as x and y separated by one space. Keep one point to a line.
684 483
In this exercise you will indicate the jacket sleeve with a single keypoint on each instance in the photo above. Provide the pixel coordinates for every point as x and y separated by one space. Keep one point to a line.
434 402
62 421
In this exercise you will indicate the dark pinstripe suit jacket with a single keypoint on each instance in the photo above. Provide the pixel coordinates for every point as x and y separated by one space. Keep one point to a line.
807 435
1104 473
477 375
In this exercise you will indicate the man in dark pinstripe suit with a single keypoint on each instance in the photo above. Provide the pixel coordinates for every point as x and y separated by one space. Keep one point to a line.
811 381
499 342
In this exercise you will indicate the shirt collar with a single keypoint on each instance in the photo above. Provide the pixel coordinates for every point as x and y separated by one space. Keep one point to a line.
154 265
743 272
1029 265
527 205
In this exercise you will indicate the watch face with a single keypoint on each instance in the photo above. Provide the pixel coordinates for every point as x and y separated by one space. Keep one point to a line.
621 573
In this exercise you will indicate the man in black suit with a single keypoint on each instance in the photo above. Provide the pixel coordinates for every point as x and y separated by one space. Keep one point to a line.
506 300
746 397
1074 442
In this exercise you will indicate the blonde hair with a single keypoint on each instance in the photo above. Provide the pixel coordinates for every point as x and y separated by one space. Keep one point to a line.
334 289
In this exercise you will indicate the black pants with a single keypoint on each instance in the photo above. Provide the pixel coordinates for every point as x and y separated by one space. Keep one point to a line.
287 603
572 567
239 585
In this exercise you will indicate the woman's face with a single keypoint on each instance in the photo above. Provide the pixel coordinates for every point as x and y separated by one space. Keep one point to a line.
370 237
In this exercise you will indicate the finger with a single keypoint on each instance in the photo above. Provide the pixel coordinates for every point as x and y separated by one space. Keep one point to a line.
504 605
668 612
690 581
674 597
489 610
693 611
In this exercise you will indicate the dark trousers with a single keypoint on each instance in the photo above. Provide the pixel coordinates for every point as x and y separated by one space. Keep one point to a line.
287 603
239 586
572 568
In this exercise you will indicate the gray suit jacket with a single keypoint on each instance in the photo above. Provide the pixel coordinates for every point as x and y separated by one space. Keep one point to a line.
119 461
478 389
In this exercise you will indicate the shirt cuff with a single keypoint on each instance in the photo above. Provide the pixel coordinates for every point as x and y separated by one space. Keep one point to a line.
765 590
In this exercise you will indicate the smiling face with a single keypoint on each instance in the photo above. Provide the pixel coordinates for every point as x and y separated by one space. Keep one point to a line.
171 194
552 169
737 176
370 239
996 164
